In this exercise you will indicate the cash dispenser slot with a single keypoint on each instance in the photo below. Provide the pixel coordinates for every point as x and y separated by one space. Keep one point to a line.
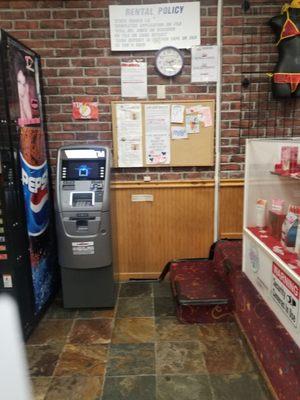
82 225
82 221
80 217
82 199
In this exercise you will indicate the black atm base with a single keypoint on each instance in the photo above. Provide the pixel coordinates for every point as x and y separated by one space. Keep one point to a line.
88 288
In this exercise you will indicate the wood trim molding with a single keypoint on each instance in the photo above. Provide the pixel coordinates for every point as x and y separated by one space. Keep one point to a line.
231 182
174 184
126 276
231 235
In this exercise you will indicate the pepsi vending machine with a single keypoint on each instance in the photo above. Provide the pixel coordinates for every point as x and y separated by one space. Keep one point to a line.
27 242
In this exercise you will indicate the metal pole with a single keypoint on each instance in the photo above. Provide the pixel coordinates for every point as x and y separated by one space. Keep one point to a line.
218 122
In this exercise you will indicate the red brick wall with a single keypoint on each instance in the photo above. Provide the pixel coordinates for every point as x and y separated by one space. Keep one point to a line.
72 38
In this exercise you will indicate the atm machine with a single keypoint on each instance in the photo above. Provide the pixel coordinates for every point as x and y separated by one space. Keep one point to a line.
83 226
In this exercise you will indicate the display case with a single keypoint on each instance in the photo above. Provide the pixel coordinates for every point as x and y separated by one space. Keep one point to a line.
271 237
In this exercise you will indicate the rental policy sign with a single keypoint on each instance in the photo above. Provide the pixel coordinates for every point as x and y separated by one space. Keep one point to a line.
152 26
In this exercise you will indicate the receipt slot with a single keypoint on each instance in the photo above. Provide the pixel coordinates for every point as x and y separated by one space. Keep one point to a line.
82 212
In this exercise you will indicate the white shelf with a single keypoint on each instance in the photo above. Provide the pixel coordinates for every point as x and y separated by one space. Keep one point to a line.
273 255
289 176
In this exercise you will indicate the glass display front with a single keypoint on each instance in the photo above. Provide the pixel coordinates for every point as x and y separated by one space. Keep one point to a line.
271 235
272 210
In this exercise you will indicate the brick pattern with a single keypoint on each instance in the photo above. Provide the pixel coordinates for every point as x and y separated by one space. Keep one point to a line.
261 114
73 40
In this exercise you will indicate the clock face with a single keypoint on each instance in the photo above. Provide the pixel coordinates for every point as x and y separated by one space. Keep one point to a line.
169 61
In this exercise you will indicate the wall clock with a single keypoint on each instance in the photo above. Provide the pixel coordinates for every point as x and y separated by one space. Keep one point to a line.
169 61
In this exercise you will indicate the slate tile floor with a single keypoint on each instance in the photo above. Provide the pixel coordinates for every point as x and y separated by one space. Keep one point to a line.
139 351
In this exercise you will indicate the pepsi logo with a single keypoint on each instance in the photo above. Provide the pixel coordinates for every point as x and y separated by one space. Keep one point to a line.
38 200
35 183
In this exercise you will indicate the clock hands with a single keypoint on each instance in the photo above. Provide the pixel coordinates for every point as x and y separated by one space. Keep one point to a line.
169 61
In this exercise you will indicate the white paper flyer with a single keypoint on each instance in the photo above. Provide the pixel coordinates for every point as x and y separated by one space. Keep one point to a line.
134 79
205 116
192 123
205 61
157 129
129 127
177 113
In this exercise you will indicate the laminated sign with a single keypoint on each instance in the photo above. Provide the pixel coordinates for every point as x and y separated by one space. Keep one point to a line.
83 248
285 292
85 110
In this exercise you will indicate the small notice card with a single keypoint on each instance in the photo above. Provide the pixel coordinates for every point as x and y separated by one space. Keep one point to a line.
205 61
134 79
177 113
85 110
178 132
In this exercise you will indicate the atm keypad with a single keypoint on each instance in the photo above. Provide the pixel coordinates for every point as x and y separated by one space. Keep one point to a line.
83 204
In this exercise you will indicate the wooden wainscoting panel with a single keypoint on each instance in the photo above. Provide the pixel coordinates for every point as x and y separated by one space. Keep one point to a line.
177 224
231 210
146 235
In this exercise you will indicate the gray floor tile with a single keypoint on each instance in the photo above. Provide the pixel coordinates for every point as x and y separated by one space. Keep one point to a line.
86 360
42 359
219 332
40 385
90 313
227 358
57 311
179 358
170 329
135 307
183 387
91 331
135 289
129 388
51 331
162 289
75 388
131 359
134 330
164 307
238 387
149 358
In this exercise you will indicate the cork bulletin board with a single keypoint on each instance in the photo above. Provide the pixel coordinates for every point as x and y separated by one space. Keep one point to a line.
197 149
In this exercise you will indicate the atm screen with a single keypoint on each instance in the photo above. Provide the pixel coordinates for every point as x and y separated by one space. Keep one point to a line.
74 170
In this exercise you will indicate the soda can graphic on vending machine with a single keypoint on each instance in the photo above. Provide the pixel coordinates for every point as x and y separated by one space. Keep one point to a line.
35 188
34 173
